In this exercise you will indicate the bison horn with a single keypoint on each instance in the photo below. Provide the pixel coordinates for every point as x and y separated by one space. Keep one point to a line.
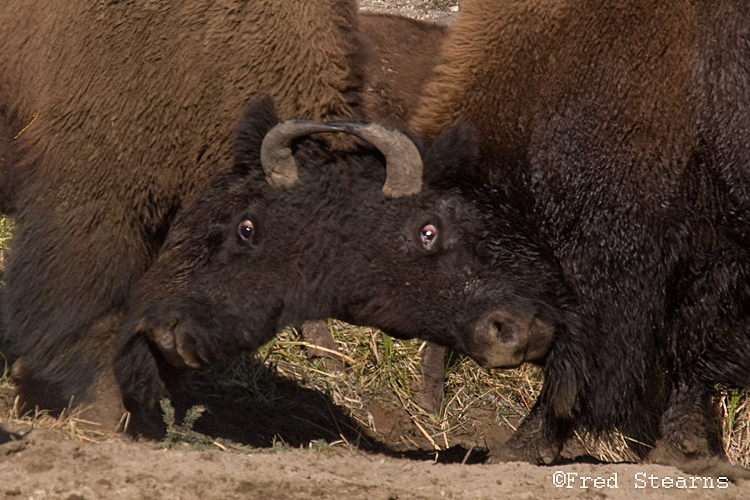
403 161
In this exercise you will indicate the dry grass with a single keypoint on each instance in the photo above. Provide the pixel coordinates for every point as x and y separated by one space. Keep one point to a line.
380 366
383 367
70 422
735 413
6 227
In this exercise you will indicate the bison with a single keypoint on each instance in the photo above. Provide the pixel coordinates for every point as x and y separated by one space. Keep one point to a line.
300 231
622 130
121 112
599 228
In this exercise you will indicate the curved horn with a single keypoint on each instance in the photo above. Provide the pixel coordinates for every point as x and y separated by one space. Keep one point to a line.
276 149
402 159
403 163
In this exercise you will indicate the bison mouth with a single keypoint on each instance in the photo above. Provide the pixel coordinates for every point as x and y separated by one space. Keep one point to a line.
506 339
195 335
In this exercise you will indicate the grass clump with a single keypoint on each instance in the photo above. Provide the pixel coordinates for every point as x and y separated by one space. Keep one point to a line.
735 413
6 230
70 421
476 401
376 391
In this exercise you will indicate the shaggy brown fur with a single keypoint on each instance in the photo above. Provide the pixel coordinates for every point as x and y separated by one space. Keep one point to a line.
136 103
622 130
401 56
6 147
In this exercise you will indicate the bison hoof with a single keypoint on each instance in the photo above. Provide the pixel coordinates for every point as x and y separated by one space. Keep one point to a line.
712 466
536 456
665 453
699 464
532 448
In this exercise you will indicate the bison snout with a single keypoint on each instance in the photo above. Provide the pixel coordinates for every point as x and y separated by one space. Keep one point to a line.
505 339
507 332
170 333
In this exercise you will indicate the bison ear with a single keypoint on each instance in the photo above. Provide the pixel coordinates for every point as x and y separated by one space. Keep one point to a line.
452 159
258 118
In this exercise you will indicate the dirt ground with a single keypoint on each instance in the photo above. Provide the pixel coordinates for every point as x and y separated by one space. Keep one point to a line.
293 443
43 464
51 467
298 444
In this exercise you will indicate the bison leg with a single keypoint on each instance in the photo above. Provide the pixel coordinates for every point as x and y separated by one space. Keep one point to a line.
103 398
316 334
691 435
709 346
689 427
538 440
65 283
93 395
428 386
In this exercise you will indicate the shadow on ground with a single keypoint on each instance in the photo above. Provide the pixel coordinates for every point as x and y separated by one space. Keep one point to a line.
270 409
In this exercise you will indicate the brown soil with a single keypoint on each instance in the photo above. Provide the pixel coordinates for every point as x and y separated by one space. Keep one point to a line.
299 445
47 465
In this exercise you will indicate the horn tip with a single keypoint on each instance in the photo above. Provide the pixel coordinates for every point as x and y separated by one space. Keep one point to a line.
397 191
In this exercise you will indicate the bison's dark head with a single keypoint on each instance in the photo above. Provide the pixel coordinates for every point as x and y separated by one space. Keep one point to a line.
301 231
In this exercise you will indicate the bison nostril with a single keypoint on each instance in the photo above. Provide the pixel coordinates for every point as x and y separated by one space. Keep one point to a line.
507 333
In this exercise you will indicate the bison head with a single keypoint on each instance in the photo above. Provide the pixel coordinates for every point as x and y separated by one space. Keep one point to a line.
299 230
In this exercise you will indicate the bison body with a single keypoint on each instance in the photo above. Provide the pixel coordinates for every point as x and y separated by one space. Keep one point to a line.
122 112
401 54
623 130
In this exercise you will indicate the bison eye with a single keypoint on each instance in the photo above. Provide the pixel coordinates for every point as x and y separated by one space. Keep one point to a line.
246 229
428 235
